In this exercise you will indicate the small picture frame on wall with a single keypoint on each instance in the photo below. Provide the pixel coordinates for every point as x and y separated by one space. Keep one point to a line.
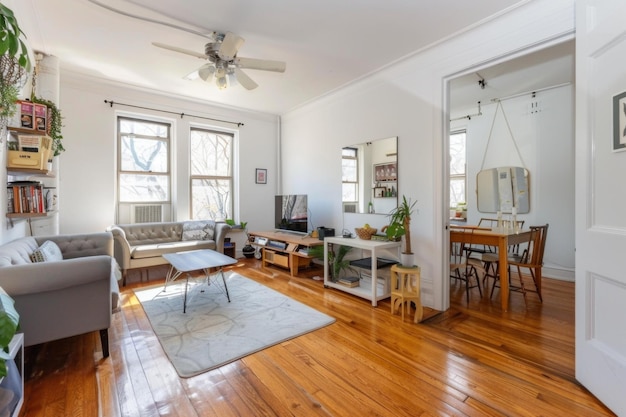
261 176
619 122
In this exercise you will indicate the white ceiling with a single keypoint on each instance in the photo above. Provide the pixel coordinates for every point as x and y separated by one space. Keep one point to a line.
326 43
532 72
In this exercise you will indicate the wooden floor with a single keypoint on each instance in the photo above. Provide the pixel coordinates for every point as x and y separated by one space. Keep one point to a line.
469 361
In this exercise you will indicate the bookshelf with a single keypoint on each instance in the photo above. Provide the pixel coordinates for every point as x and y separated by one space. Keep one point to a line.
31 186
284 249
371 288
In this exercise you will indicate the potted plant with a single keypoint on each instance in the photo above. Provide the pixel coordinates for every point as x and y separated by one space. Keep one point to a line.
9 319
400 225
55 124
336 259
248 250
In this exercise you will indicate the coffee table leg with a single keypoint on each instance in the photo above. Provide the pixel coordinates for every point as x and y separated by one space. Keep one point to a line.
225 286
185 298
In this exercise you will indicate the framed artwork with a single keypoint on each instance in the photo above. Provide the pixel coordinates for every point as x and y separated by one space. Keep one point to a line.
261 176
379 192
619 122
385 172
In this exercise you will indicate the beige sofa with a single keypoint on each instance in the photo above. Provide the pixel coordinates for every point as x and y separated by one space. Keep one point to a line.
58 298
141 245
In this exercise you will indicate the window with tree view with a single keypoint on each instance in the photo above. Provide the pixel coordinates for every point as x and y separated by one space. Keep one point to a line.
349 175
211 161
144 161
457 168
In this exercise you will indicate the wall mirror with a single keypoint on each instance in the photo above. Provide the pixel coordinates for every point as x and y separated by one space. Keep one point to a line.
370 176
502 188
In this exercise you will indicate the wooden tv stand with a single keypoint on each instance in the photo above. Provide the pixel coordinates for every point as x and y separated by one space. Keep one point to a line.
284 249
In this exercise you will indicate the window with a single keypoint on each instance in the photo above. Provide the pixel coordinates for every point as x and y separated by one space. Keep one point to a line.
457 168
349 175
144 161
211 163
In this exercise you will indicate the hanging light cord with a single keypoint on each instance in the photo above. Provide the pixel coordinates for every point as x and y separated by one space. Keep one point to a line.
111 103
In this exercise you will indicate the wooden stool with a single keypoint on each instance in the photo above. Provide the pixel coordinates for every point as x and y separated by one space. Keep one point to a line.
405 287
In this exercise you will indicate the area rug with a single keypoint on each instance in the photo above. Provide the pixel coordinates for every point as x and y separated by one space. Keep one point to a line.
214 332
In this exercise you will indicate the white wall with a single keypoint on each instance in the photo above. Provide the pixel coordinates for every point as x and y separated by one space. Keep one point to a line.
542 141
407 100
88 167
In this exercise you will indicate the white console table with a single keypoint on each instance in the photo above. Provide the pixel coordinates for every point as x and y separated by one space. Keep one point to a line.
369 292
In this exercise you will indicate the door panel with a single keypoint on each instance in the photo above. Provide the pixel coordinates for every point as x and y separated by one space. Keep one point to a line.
600 199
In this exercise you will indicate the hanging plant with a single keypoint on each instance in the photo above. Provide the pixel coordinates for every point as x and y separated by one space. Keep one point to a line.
8 96
12 78
11 43
55 125
14 65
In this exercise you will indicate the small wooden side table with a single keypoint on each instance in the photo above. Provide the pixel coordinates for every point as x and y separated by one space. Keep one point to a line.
229 249
405 287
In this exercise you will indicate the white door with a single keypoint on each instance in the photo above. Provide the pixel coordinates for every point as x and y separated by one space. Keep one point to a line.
601 201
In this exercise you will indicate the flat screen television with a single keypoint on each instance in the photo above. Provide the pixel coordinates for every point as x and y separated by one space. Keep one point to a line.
291 212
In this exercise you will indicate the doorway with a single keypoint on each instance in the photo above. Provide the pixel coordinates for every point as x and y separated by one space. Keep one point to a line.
529 87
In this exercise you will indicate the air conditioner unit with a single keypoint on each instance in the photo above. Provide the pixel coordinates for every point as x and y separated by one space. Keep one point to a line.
146 213
349 207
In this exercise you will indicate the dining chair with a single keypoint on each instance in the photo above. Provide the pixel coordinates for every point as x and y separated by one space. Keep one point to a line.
474 250
462 267
490 257
531 259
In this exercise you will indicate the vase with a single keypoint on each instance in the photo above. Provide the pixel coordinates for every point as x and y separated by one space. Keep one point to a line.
248 251
407 260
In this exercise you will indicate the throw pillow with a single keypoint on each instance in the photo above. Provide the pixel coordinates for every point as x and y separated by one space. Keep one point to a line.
48 251
198 230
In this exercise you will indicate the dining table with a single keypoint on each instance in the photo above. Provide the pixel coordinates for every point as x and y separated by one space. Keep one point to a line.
500 237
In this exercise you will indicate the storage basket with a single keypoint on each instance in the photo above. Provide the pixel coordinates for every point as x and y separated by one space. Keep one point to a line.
365 234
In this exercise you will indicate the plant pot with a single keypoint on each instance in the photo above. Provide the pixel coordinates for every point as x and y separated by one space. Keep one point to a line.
248 251
407 259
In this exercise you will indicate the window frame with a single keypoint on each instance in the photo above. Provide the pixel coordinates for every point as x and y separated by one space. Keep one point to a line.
355 183
230 177
463 176
167 140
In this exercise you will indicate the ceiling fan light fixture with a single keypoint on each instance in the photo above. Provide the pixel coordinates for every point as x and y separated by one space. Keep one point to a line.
222 82
223 63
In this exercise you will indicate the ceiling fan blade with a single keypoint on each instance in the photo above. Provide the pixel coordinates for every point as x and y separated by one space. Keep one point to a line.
230 45
181 50
206 72
260 64
244 80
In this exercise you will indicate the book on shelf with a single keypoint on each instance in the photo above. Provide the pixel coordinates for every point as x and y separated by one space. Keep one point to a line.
25 197
349 281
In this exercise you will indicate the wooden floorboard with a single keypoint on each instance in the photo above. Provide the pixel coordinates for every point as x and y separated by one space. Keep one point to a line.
472 360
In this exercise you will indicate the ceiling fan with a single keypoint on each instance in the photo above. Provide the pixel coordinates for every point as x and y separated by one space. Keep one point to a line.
224 64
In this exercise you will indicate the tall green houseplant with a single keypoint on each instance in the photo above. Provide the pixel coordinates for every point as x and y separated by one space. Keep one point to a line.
400 223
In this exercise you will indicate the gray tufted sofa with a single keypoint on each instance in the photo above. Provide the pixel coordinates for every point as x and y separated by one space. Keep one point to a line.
141 245
62 298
